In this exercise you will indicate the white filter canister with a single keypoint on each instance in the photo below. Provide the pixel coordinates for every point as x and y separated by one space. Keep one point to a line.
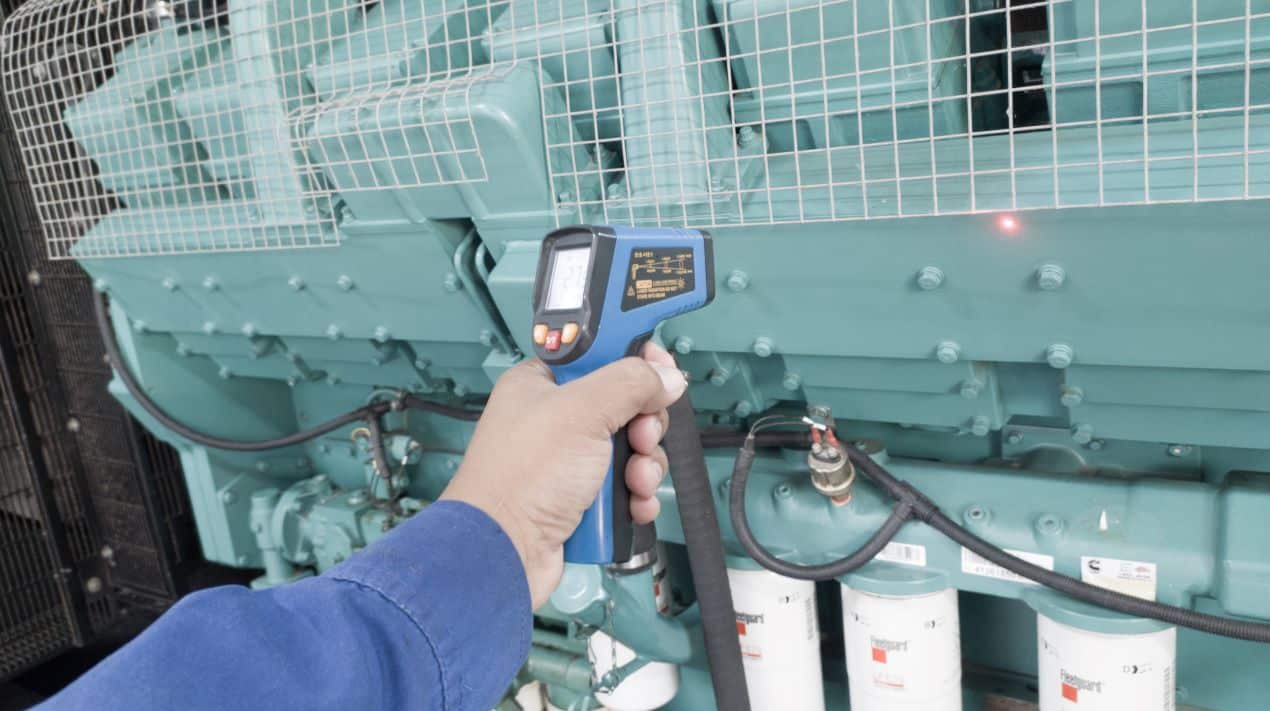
780 640
1081 670
903 652
652 686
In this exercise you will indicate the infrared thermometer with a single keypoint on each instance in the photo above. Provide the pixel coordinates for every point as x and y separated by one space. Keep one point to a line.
599 293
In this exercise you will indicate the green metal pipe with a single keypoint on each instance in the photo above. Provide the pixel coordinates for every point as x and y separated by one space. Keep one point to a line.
558 668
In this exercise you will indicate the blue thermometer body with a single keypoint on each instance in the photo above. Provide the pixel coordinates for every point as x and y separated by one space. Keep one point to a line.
600 292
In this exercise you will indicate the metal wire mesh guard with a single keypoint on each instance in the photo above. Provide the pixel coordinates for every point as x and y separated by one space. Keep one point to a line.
238 125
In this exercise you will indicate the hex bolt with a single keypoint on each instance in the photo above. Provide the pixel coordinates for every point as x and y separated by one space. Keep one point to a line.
452 283
182 350
334 332
228 496
1050 277
100 285
1049 524
140 326
1096 444
345 282
1083 434
719 376
1013 437
382 334
225 373
980 426
1179 450
93 585
930 278
296 283
743 408
107 552
746 135
1071 396
683 345
170 284
211 283
209 327
738 280
1059 355
763 346
334 380
422 363
262 465
820 412
486 337
948 352
792 381
34 278
72 424
970 389
292 381
249 330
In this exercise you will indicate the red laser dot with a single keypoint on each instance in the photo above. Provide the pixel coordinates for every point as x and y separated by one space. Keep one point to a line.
1008 224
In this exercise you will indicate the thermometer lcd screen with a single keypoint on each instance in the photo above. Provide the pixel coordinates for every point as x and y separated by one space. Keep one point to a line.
568 279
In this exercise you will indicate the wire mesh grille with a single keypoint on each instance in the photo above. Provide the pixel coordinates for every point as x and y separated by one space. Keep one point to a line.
239 125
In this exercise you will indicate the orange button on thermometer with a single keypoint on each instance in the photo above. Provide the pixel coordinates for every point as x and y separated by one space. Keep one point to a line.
540 333
569 333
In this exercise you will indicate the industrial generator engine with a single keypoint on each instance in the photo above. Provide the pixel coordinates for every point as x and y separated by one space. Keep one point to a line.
983 390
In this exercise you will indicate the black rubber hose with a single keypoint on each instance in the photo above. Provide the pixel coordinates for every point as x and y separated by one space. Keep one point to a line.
138 392
695 498
827 571
1076 589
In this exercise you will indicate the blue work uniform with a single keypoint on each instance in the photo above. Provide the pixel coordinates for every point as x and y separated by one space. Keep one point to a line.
434 616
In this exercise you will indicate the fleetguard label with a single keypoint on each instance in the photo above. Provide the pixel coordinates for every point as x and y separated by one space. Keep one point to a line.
903 553
973 564
1131 577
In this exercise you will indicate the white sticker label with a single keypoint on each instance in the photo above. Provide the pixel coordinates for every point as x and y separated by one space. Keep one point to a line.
903 553
1130 577
973 564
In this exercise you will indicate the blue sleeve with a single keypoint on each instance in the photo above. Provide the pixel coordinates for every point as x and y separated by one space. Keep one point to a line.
434 616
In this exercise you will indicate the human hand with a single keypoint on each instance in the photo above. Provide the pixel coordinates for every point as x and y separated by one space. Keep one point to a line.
540 452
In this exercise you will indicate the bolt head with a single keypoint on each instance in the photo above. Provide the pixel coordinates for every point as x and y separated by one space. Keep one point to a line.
100 285
344 282
1082 434
971 389
738 280
249 330
382 334
486 337
72 424
718 377
170 284
211 283
224 373
743 408
1050 277
980 426
209 327
33 278
296 283
1059 355
763 347
93 585
948 352
930 278
1013 437
1096 444
1071 396
422 363
792 381
228 496
683 345
1179 450
333 332
451 283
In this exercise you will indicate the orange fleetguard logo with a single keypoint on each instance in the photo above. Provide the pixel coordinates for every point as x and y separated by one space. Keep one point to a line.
882 647
1072 685
743 622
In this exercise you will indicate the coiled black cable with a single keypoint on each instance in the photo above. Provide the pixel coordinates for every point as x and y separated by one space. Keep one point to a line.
364 413
912 504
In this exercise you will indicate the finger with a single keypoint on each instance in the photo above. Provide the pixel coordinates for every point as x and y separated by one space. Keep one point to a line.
619 391
654 353
645 431
644 474
644 509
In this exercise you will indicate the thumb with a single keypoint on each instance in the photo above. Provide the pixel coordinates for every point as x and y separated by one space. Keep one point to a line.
623 389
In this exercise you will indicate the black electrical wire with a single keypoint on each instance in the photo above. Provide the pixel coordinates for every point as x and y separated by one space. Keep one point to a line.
912 504
365 412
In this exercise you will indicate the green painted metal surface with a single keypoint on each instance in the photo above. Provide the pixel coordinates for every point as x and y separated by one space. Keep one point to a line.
1091 380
